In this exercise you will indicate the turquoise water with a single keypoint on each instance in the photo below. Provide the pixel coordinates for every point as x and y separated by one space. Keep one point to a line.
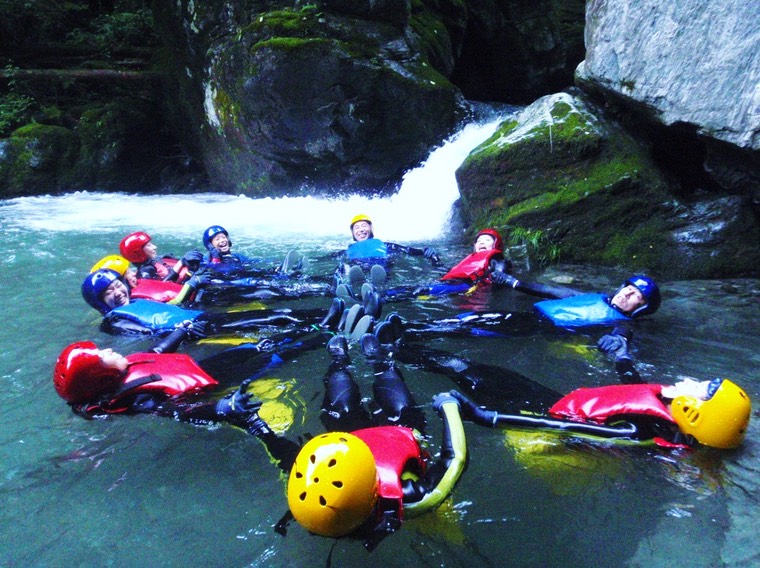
132 491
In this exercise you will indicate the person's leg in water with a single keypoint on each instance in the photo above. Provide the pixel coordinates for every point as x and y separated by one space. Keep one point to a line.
496 387
390 391
342 408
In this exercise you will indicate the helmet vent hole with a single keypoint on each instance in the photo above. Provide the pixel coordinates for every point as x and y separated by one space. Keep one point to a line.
299 475
316 480
332 463
322 501
338 484
302 496
313 458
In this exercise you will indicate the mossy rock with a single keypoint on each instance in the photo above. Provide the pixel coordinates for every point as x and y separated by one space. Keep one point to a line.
36 158
588 187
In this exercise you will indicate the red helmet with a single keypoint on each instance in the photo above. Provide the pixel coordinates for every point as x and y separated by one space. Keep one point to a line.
79 375
498 243
132 247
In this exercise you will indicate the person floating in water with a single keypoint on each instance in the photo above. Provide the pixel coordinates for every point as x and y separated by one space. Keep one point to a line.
148 288
638 296
105 291
368 258
140 250
476 269
368 473
713 413
97 383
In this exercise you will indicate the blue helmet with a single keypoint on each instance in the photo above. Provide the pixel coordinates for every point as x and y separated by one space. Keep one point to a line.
210 233
649 290
94 286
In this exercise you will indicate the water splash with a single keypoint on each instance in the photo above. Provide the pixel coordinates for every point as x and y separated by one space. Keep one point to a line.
419 211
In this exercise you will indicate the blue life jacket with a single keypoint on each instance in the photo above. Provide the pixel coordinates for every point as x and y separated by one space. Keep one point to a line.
155 316
579 311
371 248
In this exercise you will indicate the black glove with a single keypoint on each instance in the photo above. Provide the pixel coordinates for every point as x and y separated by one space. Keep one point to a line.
442 398
199 281
195 329
615 343
214 255
265 345
430 253
503 279
193 259
472 412
237 406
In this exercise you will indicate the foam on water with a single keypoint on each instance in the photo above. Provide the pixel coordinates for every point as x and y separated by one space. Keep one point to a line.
419 211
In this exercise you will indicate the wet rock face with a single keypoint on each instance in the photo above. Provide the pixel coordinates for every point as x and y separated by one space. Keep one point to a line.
515 51
563 171
686 61
332 95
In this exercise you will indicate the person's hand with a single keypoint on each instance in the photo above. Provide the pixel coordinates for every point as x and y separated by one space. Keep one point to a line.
195 329
193 259
442 398
431 254
503 279
615 343
214 255
265 345
238 405
199 281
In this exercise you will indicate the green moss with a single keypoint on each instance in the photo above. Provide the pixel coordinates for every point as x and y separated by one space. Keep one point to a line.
292 43
286 23
573 189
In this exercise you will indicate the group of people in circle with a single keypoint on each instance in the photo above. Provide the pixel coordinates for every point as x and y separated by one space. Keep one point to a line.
369 471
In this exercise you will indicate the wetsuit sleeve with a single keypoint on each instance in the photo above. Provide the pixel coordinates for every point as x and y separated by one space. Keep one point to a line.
396 248
543 290
115 325
439 480
147 271
627 373
171 342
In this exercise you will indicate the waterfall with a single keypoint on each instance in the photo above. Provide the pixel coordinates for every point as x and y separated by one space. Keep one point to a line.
419 211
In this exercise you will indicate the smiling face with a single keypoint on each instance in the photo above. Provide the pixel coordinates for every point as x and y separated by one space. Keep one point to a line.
484 242
221 243
362 230
115 295
628 299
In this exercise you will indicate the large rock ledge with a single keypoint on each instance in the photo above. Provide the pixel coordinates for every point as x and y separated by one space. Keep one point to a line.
563 173
694 62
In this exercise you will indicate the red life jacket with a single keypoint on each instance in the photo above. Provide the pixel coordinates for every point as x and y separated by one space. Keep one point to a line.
392 448
156 290
164 266
600 403
166 373
473 267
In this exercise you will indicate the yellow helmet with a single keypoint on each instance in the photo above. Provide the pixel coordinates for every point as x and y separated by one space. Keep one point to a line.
113 262
360 217
720 421
332 488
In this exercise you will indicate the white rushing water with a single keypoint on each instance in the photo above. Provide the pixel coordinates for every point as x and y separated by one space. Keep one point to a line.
419 211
